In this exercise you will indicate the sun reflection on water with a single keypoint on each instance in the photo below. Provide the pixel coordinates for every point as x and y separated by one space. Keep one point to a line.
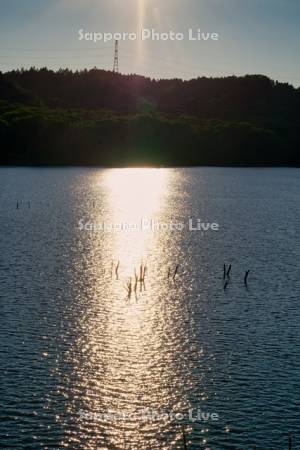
127 345
134 195
135 192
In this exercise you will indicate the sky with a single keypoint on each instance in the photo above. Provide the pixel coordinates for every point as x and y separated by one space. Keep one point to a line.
254 36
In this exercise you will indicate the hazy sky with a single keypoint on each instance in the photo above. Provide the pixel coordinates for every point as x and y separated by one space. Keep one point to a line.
255 36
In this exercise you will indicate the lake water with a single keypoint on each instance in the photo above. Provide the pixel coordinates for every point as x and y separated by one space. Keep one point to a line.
90 359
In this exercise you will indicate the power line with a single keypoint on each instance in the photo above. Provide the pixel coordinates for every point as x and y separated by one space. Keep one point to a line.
165 69
55 49
107 48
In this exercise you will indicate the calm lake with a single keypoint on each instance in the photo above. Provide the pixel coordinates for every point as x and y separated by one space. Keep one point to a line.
117 328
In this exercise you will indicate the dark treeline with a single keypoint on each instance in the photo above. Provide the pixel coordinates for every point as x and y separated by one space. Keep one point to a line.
97 117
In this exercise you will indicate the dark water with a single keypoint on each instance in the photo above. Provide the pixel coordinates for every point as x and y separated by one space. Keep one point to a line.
76 347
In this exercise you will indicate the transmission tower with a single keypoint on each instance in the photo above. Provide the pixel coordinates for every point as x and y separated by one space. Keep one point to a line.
116 58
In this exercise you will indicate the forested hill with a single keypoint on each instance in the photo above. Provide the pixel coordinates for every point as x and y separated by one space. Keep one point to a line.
98 117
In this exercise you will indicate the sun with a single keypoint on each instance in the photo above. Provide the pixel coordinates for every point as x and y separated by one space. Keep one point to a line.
140 20
141 12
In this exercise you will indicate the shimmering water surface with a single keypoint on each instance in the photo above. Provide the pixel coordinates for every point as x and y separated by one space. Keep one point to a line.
76 347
